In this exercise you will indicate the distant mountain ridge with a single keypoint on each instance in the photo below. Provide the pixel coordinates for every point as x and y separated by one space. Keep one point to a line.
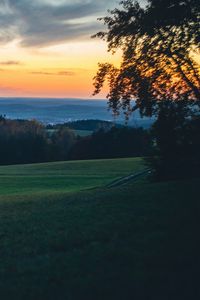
56 110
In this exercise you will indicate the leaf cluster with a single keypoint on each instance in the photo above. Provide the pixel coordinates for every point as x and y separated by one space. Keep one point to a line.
158 42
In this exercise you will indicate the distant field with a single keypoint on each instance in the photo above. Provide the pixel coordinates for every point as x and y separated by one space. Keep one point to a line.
64 177
83 133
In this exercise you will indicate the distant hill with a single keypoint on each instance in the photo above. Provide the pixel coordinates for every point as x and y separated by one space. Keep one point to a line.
91 125
58 111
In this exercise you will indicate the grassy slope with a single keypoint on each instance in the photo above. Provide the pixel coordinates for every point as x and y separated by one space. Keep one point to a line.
64 177
138 241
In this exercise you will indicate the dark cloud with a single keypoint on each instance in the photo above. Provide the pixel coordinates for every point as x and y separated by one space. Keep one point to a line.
11 63
48 22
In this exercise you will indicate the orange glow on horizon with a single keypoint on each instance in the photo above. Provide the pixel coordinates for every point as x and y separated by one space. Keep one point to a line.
59 71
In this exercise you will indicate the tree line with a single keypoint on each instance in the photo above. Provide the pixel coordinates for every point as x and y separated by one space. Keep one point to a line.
23 141
171 147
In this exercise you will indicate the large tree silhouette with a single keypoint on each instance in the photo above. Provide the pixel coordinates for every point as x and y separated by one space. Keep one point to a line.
160 70
159 43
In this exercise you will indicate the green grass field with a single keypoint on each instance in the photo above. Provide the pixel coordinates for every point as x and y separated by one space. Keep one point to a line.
61 239
64 176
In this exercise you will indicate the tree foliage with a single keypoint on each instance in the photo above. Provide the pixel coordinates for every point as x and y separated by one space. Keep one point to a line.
23 141
159 43
113 143
176 134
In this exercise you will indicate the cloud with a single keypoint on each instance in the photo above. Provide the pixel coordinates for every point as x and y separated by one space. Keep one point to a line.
41 23
61 73
10 63
66 73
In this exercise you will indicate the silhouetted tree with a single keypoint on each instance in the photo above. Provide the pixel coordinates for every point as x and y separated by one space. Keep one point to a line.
159 42
176 133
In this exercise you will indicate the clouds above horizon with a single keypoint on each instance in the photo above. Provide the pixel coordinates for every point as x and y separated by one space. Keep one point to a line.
11 63
60 73
42 23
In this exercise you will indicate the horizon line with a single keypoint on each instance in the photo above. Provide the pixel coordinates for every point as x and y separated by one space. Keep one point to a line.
53 98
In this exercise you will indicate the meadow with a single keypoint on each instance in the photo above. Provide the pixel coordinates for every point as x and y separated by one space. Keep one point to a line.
65 235
64 177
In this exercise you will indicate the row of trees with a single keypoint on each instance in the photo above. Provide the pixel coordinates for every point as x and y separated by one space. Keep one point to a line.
21 142
113 143
31 142
172 146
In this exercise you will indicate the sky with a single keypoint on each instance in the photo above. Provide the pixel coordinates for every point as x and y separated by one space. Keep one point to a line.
46 48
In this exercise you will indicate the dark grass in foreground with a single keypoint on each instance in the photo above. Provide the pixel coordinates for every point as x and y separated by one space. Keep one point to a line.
139 241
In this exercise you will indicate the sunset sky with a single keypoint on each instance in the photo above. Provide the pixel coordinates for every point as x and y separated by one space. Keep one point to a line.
46 48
